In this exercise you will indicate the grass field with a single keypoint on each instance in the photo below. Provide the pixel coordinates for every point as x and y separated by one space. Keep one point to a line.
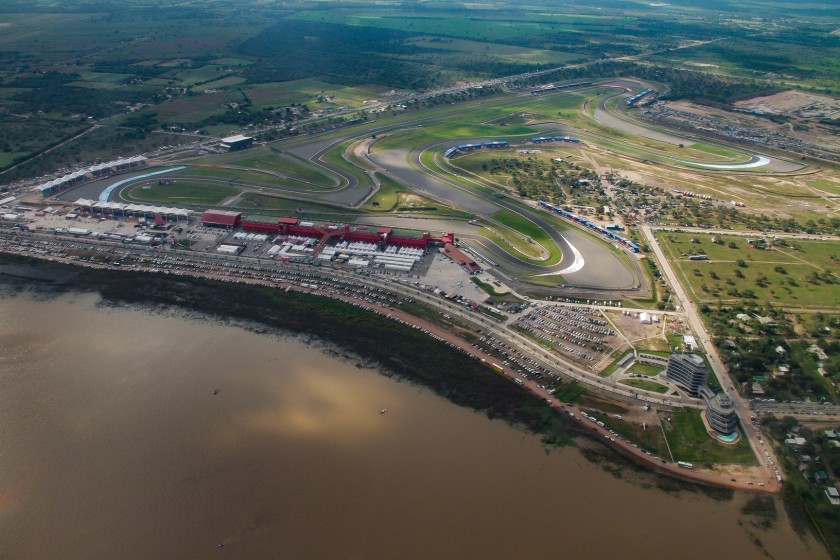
529 229
443 132
264 159
827 185
282 206
386 198
249 177
508 53
645 369
190 110
689 441
645 385
306 92
199 75
802 274
716 150
181 193
438 24
223 83
229 61
613 367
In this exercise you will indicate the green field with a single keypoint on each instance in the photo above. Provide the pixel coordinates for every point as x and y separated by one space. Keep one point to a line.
245 177
200 75
827 185
271 161
645 385
613 367
223 83
438 24
716 150
508 53
689 441
446 132
645 369
386 198
182 193
529 229
233 62
802 274
278 94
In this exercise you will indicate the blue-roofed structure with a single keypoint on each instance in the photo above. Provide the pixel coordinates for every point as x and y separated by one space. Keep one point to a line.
631 100
591 225
454 150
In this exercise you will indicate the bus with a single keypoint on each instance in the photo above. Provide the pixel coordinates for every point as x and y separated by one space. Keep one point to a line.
497 367
685 465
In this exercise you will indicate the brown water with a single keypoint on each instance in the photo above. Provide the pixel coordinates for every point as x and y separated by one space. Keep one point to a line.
113 445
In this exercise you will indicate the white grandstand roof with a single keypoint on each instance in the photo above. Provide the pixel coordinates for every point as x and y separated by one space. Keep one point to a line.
82 172
110 205
236 138
132 207
157 210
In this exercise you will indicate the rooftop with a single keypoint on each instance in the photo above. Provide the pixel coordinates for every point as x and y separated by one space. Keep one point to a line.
236 138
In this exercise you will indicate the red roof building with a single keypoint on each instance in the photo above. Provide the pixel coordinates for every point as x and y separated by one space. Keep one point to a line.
462 259
221 218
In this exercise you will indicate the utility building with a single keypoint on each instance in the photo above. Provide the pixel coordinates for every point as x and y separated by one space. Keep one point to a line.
238 142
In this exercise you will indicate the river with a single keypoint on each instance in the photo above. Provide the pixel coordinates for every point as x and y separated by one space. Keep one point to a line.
114 445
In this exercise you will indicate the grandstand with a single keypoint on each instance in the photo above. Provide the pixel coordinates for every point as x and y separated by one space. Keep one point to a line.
121 209
632 100
544 139
591 225
548 88
72 179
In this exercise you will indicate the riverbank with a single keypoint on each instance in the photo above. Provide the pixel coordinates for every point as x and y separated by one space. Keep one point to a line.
394 348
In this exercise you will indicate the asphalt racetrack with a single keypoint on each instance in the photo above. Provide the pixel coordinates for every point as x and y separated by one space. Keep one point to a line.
626 124
602 268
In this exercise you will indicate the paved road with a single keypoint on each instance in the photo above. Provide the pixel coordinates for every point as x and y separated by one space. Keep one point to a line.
762 452
785 235
244 268
645 129
604 271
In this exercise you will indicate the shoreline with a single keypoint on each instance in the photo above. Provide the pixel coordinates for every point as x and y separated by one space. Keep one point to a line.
452 373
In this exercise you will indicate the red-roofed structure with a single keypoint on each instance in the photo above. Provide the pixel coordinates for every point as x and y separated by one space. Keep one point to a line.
221 218
467 262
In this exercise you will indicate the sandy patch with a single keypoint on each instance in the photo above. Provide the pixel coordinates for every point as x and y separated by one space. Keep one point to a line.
786 102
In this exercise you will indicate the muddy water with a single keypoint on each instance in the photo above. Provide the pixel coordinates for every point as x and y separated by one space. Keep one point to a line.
113 445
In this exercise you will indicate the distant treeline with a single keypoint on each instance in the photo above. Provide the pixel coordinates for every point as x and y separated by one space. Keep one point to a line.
348 55
684 84
51 92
